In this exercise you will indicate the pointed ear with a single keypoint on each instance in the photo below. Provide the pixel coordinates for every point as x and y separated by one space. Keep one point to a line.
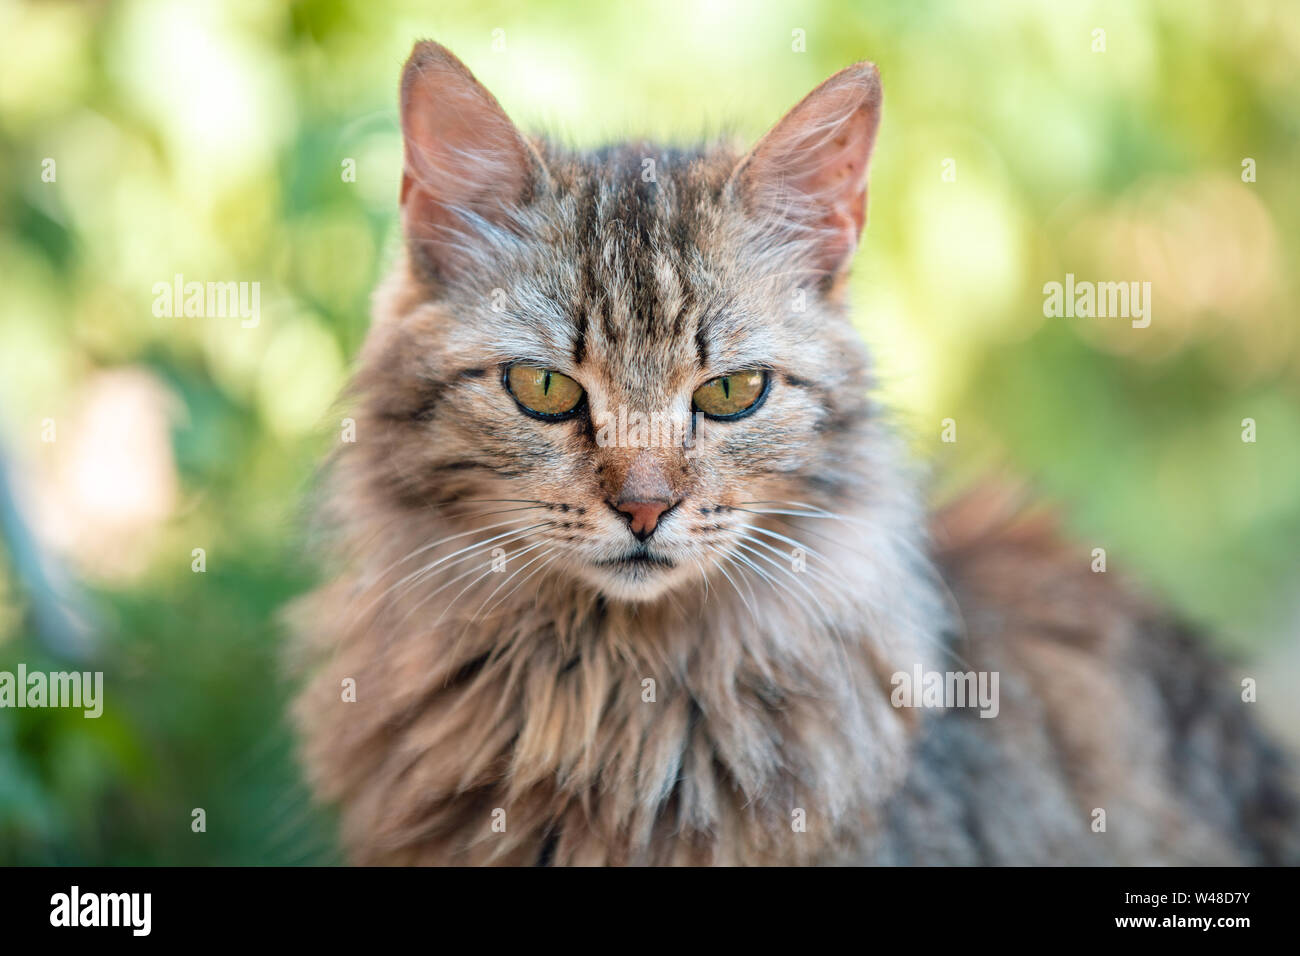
806 180
467 168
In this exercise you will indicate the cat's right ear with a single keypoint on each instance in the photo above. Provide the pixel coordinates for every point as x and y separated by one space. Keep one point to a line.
467 169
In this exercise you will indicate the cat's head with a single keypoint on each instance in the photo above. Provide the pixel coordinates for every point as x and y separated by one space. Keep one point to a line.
636 347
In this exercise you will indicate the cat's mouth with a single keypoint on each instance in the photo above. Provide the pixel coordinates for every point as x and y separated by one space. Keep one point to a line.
637 560
636 575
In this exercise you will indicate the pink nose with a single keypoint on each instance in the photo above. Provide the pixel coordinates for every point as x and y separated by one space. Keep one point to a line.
643 516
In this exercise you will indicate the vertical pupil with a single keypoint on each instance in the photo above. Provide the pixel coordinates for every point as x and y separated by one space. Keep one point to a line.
726 387
546 383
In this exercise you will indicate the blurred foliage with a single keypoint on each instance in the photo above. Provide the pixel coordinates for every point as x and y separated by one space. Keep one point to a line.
208 139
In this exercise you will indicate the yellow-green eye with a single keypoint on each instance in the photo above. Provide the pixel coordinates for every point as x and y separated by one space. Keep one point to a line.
731 396
542 391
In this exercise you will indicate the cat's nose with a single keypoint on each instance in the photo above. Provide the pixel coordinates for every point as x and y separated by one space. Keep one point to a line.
642 516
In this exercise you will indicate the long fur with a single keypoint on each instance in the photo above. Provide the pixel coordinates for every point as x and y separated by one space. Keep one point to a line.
515 703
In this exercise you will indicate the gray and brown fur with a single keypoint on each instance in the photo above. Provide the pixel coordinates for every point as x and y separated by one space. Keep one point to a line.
525 691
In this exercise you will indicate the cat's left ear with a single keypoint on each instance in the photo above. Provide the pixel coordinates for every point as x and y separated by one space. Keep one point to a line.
806 181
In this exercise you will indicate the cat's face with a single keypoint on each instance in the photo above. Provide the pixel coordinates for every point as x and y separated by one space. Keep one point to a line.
615 359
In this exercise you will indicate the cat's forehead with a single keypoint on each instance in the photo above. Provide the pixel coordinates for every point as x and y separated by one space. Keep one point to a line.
639 233
631 274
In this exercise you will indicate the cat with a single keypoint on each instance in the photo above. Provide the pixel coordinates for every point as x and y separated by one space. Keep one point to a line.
542 646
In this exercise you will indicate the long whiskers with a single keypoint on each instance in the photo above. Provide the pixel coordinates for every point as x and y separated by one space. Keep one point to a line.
513 574
464 574
838 637
549 555
729 560
420 572
922 559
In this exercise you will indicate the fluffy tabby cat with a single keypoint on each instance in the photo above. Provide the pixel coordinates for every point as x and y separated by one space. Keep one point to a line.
569 650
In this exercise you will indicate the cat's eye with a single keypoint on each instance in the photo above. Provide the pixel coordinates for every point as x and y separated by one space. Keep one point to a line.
732 396
542 392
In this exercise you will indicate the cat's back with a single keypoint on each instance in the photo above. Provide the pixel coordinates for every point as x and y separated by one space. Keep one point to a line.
1118 738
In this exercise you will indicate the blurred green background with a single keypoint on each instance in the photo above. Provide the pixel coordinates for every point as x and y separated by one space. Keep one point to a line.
210 139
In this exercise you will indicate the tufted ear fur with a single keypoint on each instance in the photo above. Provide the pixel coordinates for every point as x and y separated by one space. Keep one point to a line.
467 168
806 180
